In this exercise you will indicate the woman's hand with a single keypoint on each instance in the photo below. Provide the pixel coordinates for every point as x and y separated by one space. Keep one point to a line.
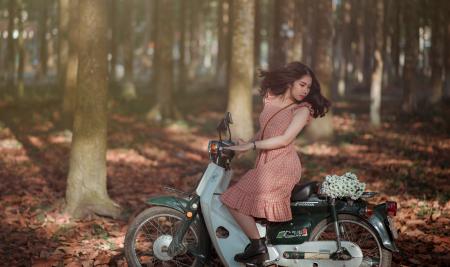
241 147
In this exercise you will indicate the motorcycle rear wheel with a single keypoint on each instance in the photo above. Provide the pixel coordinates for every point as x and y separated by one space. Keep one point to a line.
358 231
150 233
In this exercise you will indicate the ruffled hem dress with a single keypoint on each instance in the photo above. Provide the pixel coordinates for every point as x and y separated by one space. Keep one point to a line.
265 191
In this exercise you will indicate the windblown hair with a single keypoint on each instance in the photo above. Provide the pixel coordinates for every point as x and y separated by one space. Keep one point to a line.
277 81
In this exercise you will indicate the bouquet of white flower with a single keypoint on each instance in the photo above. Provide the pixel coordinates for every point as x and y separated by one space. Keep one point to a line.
346 185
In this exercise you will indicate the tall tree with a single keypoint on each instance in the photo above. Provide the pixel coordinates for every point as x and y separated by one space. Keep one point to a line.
181 84
447 51
283 24
377 72
21 49
63 41
241 68
196 29
114 44
357 47
86 186
344 45
298 27
411 51
257 42
165 109
128 88
70 78
43 42
396 34
310 29
11 48
322 128
437 50
369 18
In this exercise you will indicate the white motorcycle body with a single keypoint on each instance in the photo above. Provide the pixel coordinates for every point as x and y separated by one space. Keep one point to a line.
214 182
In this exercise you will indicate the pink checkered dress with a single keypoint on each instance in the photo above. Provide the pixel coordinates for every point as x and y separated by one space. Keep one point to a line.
264 192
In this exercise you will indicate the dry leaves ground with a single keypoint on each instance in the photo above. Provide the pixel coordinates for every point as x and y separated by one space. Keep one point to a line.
407 160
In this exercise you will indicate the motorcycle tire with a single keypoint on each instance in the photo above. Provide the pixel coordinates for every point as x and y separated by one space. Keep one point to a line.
361 229
158 225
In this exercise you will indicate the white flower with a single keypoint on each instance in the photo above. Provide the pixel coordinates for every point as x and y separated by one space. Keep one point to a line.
346 185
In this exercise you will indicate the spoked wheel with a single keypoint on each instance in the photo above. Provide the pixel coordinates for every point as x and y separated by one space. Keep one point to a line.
355 230
150 234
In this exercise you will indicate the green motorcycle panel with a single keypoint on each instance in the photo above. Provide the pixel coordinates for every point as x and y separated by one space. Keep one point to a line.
305 217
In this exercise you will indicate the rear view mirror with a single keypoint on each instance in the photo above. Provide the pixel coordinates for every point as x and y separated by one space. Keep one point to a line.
224 125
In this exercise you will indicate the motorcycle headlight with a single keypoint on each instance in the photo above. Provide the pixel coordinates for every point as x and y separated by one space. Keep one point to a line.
213 150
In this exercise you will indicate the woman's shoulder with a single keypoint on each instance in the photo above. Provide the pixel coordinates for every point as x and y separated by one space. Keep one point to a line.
303 105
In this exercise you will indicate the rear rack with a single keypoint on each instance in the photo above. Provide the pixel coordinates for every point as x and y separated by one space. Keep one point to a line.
369 194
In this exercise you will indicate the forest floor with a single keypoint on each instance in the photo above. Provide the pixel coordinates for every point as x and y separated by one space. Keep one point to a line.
407 160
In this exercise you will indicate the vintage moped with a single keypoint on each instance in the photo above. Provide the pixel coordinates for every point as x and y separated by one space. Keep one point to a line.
192 228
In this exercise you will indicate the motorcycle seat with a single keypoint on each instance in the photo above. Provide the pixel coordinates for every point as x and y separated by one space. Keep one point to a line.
302 191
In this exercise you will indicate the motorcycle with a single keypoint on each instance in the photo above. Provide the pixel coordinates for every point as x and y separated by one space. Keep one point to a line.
324 231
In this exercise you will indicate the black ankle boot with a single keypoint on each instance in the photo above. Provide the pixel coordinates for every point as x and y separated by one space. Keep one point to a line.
255 252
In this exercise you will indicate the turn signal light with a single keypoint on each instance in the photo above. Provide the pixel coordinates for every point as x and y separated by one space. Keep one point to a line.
369 210
189 214
391 208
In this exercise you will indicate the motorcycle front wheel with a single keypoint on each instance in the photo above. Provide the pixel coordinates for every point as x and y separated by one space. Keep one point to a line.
358 231
150 233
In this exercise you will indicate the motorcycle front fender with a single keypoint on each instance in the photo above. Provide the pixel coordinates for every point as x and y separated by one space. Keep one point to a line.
379 222
176 203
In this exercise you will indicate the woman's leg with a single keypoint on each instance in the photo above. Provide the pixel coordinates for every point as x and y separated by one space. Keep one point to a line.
246 222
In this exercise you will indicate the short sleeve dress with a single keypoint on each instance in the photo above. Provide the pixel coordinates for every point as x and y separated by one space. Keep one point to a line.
265 191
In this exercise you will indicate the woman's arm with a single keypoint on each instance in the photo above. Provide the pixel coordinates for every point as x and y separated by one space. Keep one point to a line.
299 121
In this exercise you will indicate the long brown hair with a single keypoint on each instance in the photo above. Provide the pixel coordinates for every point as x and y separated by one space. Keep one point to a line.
279 80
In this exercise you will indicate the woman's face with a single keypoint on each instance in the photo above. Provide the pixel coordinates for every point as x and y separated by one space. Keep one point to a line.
301 87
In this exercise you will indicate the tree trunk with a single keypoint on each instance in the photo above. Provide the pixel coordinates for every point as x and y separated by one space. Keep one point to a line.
113 24
395 44
411 55
181 85
299 25
11 49
369 41
164 110
70 82
322 128
357 47
258 40
86 186
21 50
345 46
377 73
43 42
387 30
195 34
241 69
283 24
128 88
63 41
437 51
447 53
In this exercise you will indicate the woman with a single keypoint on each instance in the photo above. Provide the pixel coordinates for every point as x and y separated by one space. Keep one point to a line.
291 96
